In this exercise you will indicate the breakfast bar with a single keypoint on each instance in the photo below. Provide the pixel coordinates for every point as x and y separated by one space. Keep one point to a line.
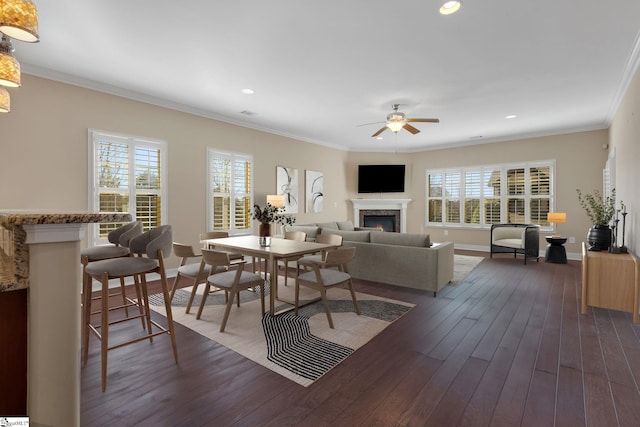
40 264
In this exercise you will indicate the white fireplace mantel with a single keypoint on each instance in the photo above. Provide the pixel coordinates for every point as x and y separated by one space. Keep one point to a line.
368 204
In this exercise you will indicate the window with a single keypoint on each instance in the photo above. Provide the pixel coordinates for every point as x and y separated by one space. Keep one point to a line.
126 174
229 192
483 195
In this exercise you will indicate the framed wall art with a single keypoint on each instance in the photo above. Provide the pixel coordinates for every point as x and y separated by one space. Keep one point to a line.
287 185
314 191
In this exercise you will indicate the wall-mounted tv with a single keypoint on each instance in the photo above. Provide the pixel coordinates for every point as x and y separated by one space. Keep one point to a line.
381 178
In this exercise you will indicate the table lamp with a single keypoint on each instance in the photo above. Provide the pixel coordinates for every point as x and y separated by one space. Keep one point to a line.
276 200
557 218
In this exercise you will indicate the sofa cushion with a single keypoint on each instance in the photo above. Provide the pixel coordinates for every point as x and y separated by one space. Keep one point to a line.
329 225
401 239
345 225
351 236
311 230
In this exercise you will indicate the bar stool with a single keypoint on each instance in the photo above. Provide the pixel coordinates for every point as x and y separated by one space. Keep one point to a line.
119 247
151 248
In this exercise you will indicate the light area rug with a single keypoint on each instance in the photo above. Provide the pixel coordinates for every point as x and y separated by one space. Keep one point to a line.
301 348
462 266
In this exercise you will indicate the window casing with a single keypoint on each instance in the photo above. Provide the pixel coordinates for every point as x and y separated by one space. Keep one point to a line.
127 174
479 196
229 192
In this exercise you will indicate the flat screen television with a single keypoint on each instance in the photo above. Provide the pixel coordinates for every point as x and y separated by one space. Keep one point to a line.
381 178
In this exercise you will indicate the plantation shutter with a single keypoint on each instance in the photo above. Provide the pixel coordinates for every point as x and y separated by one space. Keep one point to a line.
230 180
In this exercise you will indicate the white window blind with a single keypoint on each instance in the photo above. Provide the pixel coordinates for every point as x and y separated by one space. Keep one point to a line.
230 192
127 174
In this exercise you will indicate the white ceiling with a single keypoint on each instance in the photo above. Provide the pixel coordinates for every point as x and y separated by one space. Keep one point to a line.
319 69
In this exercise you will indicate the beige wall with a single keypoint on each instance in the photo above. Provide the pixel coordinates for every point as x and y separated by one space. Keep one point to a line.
44 159
45 153
625 140
579 159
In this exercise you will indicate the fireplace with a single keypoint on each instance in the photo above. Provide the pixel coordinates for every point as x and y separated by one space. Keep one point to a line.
386 220
381 208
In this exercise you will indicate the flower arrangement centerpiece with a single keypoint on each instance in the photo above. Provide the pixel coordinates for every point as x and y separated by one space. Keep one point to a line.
268 215
600 211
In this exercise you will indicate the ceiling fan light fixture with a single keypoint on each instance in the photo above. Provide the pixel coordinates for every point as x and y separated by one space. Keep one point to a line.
9 66
395 126
450 6
5 101
19 20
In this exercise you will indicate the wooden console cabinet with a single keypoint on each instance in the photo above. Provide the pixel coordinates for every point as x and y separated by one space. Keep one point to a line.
610 281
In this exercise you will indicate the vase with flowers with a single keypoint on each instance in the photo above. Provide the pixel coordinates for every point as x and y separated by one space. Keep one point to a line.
268 215
600 211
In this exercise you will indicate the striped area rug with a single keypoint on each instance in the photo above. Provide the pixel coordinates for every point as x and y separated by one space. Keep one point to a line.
301 348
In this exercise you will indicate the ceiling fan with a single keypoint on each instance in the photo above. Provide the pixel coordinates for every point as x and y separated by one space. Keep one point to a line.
397 121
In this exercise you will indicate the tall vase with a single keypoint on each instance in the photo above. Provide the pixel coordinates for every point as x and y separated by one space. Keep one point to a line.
599 238
265 234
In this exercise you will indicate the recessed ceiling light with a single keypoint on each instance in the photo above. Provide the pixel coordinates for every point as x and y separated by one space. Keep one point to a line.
379 137
248 91
510 116
450 6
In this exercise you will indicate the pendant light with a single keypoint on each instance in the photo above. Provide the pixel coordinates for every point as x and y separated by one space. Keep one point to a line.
5 101
9 66
19 20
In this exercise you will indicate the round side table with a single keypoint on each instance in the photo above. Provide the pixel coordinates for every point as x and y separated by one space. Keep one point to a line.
556 252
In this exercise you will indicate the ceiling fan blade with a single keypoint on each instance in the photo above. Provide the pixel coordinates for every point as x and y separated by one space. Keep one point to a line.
372 123
379 132
424 120
411 129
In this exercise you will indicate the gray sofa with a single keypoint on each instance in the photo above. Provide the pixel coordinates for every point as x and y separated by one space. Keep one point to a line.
401 259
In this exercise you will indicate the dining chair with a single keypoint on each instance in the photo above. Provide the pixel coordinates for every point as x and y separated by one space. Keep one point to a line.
232 281
325 238
300 236
196 271
118 247
149 250
324 276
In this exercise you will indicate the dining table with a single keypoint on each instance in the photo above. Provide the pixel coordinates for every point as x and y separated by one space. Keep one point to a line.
278 249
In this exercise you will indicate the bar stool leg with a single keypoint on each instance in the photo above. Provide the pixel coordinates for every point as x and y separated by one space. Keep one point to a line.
104 328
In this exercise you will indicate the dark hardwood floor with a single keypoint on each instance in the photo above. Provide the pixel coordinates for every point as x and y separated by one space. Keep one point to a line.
507 347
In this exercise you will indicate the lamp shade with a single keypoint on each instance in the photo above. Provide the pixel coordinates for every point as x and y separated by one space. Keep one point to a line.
9 66
557 217
19 20
276 200
5 101
395 126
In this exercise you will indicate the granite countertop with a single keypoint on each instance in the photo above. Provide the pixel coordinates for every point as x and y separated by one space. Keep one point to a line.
14 251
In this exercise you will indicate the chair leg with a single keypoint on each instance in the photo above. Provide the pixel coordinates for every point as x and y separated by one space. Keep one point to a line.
238 298
227 310
353 297
323 293
167 306
104 328
136 284
207 288
86 314
192 296
174 287
145 302
123 292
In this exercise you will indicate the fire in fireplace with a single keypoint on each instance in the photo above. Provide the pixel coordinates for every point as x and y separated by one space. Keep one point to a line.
382 222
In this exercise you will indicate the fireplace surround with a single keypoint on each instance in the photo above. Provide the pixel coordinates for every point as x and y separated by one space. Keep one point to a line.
382 207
